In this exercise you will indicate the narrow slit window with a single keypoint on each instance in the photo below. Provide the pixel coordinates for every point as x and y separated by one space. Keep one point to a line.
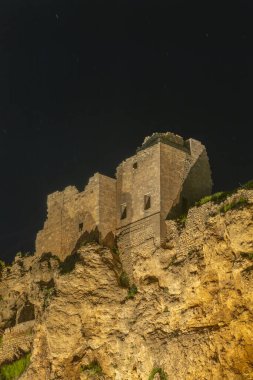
135 165
123 211
147 201
80 227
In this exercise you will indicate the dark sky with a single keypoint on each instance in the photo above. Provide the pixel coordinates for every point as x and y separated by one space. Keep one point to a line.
82 82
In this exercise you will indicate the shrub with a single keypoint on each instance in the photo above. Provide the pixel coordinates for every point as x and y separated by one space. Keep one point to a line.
23 254
14 370
124 280
247 255
132 291
2 265
115 250
93 368
49 293
163 375
68 265
248 185
236 203
181 220
217 198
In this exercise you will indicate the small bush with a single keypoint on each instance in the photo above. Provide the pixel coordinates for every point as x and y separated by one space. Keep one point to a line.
181 220
23 254
248 185
2 265
124 280
13 371
49 293
132 291
93 368
68 265
115 250
163 375
217 198
203 200
247 255
236 203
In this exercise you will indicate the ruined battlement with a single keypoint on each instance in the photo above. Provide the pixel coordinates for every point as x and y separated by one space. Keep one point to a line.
70 213
166 138
165 176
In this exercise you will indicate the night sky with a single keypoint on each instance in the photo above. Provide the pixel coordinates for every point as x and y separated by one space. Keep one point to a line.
82 82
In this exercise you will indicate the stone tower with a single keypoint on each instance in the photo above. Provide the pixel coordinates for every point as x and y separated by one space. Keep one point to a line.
165 176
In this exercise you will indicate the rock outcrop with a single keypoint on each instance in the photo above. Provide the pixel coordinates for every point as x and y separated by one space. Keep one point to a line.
190 316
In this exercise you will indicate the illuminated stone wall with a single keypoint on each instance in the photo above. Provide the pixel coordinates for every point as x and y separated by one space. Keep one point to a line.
164 178
71 213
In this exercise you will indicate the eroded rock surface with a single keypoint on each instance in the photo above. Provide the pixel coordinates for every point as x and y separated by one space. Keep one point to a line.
192 315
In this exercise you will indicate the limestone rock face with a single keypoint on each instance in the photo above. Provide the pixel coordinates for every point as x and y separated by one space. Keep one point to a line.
191 318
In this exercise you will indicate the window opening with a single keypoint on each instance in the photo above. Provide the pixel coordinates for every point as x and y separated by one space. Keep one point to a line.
80 227
135 165
147 201
123 211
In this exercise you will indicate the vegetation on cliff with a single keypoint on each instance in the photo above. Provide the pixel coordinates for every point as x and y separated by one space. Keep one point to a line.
221 196
13 371
160 371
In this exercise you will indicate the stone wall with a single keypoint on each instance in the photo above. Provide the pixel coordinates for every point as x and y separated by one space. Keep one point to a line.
137 236
71 213
15 341
174 167
164 177
198 181
136 177
185 178
174 178
191 237
107 205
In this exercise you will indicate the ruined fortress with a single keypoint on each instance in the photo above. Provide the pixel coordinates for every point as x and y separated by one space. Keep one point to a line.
165 176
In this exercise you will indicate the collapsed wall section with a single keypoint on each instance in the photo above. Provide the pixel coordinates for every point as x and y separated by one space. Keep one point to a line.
198 181
185 176
174 167
71 213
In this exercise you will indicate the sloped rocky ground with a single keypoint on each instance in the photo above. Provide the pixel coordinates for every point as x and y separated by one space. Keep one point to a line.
191 318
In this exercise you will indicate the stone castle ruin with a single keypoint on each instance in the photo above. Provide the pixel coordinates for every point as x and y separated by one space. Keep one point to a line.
165 176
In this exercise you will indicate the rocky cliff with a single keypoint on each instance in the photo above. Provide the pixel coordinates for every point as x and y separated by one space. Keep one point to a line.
189 314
